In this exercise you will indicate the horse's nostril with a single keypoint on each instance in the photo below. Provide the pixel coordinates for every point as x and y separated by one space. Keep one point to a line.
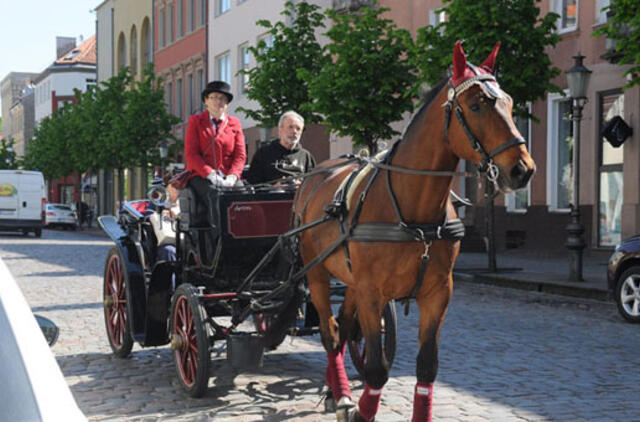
520 174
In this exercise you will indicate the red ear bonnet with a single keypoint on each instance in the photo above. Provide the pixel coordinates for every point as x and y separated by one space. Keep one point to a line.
461 72
459 64
489 63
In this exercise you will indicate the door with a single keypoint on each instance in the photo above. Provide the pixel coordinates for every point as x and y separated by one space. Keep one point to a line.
31 191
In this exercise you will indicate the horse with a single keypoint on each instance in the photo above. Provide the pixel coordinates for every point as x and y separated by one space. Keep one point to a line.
404 209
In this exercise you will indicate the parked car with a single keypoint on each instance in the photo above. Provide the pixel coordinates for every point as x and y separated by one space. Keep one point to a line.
61 215
22 201
33 387
623 276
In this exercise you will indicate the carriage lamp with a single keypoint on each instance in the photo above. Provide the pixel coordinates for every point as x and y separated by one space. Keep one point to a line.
163 148
578 82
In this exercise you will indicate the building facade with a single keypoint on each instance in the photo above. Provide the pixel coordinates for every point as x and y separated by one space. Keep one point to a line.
11 88
124 32
180 50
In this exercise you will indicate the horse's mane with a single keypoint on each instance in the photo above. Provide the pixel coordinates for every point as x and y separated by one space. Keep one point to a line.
428 98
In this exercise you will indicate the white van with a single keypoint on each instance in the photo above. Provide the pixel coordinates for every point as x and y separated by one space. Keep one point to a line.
22 201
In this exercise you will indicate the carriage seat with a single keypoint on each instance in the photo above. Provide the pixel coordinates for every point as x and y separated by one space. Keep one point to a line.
197 209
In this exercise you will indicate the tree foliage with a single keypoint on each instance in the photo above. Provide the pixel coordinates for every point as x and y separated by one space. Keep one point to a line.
275 83
367 84
523 68
116 125
8 158
624 27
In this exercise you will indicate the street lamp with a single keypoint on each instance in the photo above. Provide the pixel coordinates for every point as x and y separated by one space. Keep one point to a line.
164 152
578 81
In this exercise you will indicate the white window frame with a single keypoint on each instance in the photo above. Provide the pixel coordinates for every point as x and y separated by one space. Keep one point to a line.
223 67
222 6
243 80
552 159
510 198
601 16
557 8
268 39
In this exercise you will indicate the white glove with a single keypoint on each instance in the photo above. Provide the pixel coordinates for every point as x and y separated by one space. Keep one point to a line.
230 180
215 179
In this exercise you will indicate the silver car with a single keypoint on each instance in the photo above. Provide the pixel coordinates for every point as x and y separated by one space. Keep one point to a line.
61 215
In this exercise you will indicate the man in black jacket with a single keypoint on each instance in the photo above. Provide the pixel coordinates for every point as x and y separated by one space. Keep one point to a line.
284 156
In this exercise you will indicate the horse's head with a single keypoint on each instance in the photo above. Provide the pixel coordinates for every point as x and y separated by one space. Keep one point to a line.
479 123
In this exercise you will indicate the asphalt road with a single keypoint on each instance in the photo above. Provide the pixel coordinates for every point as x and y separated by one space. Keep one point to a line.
505 355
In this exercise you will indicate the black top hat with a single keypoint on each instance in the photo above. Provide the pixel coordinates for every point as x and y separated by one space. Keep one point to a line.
217 86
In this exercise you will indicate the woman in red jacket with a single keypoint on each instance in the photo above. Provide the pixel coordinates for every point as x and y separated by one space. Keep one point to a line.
214 147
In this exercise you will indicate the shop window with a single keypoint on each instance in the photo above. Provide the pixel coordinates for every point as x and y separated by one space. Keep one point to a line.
559 154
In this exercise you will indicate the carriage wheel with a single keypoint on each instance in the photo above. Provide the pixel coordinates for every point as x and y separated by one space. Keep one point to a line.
389 329
190 340
115 304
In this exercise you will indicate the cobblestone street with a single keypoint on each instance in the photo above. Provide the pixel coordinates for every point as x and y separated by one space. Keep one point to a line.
505 355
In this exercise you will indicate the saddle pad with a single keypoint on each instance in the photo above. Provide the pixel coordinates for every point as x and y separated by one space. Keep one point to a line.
362 173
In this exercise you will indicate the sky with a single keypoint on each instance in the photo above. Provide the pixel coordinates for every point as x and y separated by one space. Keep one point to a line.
28 30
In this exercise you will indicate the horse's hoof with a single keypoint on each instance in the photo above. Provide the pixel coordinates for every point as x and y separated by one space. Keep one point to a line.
345 410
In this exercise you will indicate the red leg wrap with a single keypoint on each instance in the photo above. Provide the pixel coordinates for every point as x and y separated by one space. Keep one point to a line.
422 400
336 374
369 402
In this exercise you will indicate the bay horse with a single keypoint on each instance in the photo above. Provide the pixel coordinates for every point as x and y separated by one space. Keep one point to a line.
398 235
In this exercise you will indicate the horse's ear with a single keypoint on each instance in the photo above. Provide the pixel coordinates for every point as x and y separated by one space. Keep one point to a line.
459 61
489 63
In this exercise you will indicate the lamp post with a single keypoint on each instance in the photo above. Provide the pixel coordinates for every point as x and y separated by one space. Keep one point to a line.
578 81
164 152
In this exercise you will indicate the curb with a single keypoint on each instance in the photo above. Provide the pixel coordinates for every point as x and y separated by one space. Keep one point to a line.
531 285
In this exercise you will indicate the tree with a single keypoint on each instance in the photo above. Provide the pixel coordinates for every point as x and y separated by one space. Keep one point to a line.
366 85
624 27
523 68
276 83
7 154
114 126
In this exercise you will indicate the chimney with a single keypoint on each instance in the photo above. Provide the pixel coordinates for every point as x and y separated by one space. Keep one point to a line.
64 45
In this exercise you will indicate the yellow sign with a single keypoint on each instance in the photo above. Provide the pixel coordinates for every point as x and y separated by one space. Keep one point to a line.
7 189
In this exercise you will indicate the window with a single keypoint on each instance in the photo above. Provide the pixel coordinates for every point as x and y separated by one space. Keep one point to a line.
223 6
223 67
191 15
519 201
203 12
244 57
559 153
601 14
181 18
568 11
171 20
170 97
436 17
610 166
161 39
190 103
122 51
200 88
134 51
179 102
146 43
268 41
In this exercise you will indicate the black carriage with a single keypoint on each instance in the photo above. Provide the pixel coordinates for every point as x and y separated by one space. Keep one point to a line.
215 279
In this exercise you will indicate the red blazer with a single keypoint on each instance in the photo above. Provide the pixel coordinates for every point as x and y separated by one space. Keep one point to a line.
230 154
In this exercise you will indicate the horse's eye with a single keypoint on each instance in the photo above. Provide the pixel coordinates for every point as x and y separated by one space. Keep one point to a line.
475 107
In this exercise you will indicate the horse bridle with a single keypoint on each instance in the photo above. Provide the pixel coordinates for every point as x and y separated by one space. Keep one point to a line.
487 164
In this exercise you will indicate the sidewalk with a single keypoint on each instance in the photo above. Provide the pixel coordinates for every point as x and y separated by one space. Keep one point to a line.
542 273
